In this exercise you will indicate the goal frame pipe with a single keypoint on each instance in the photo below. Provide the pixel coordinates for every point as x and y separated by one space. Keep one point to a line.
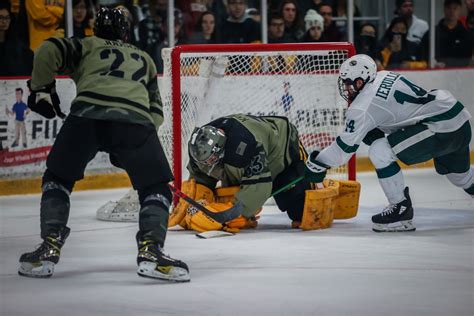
229 48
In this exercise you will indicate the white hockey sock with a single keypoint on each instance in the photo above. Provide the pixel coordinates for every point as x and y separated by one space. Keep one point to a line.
464 180
393 187
388 171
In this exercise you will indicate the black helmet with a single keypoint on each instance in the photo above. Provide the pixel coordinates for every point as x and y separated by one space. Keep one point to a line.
111 24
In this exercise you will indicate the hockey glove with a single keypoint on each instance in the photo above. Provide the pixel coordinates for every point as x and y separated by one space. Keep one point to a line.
315 171
45 101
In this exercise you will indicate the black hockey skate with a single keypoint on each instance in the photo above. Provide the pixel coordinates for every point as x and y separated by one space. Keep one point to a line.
395 217
40 263
152 263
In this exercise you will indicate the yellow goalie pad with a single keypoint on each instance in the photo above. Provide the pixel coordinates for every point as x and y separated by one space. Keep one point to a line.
339 199
224 199
346 204
226 194
197 192
318 210
200 222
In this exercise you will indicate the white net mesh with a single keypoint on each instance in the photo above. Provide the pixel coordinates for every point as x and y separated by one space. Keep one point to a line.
299 84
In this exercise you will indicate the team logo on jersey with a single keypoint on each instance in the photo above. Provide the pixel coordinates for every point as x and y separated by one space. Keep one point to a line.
255 167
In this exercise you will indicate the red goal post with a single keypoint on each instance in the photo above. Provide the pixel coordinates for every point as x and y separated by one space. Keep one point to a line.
298 80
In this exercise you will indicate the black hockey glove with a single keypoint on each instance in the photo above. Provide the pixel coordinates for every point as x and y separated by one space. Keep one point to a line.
315 171
45 101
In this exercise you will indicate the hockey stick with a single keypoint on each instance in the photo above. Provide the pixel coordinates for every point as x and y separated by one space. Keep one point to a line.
287 186
221 217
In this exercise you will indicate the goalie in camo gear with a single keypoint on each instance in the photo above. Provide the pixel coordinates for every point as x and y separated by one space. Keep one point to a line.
252 157
398 120
117 110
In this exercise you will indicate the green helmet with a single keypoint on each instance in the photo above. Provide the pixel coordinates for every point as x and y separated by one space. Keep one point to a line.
206 145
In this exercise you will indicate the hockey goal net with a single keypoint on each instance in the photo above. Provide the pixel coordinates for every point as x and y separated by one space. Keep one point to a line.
203 82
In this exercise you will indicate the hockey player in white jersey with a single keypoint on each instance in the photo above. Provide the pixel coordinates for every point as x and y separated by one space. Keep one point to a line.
399 121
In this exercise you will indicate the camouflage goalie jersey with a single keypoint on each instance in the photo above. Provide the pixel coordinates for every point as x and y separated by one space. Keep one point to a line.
98 67
257 150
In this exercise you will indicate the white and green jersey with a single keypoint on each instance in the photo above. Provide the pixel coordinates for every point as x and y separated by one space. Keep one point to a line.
391 103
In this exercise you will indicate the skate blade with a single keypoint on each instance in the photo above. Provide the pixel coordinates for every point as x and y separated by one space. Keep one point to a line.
403 226
44 270
174 274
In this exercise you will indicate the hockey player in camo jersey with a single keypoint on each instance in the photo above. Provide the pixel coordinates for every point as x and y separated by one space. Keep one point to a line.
256 155
117 110
398 120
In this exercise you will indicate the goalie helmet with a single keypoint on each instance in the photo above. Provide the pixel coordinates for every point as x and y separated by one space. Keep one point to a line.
206 145
111 24
358 67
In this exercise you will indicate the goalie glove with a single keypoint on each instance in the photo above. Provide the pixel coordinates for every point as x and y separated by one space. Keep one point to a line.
45 101
315 171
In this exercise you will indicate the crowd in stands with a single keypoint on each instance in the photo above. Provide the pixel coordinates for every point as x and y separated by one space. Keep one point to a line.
25 24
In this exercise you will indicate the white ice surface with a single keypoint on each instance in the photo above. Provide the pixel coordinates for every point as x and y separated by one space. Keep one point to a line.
272 270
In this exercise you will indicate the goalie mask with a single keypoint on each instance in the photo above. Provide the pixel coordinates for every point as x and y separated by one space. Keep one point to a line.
357 70
111 24
206 145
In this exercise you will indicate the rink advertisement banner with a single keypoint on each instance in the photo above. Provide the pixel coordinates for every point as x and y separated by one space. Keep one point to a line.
23 157
26 137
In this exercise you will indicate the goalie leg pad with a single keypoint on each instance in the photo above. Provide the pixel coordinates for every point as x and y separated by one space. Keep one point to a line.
196 192
318 210
346 204
227 194
200 222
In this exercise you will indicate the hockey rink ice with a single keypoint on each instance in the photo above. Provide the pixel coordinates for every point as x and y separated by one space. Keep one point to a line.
271 270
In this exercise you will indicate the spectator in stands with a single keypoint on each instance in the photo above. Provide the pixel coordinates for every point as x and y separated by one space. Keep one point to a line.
16 59
453 41
292 16
339 10
206 30
135 16
179 39
396 51
18 10
276 30
314 26
192 11
44 17
470 10
470 29
239 27
417 27
150 29
254 14
82 20
331 32
366 41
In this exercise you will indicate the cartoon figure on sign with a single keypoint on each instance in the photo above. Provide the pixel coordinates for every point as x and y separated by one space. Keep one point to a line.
20 110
